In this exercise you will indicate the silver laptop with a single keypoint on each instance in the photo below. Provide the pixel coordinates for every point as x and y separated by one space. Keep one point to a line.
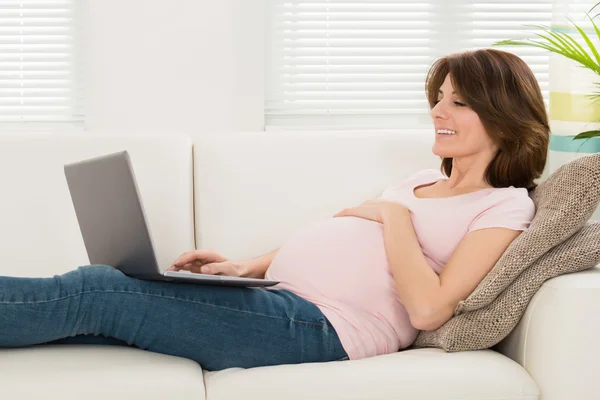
113 223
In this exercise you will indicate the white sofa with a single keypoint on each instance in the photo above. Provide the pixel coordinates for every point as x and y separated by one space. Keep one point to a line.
244 194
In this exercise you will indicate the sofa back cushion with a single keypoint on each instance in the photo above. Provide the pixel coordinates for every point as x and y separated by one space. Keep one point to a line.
254 190
39 233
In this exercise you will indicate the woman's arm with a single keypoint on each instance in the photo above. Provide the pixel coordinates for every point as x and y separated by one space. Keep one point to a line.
257 267
429 299
418 285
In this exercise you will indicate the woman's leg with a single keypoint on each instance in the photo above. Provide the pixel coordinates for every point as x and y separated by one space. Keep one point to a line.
219 327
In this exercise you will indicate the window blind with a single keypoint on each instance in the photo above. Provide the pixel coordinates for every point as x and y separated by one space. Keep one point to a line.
363 63
40 77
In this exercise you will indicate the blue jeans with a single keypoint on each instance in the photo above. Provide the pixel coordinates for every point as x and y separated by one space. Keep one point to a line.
218 327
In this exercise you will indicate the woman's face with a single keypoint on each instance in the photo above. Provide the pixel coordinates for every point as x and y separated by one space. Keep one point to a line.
469 138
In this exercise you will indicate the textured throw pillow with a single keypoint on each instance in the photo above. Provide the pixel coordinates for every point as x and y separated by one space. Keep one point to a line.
487 326
564 203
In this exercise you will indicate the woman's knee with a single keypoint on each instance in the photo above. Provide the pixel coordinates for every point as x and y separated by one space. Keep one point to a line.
99 269
99 274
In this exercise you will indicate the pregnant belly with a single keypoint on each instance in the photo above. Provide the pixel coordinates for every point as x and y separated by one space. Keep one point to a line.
339 258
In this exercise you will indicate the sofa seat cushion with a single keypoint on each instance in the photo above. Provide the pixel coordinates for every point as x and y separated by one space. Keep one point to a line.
97 372
410 374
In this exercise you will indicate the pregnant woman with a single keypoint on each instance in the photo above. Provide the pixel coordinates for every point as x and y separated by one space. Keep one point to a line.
357 285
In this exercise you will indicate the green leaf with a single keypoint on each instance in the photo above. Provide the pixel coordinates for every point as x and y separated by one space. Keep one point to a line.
559 43
562 44
595 26
572 50
588 41
531 43
587 135
575 44
588 60
581 53
568 50
583 57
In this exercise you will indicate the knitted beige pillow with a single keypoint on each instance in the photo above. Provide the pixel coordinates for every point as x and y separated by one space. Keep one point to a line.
487 326
564 203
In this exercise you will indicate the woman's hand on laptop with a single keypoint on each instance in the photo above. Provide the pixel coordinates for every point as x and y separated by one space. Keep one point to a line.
206 261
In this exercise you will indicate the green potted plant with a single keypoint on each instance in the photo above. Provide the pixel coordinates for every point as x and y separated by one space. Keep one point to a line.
565 45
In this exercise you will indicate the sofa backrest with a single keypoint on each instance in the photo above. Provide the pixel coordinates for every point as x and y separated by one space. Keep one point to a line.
39 233
253 190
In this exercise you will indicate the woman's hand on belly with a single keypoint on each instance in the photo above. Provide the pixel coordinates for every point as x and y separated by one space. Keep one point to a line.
374 210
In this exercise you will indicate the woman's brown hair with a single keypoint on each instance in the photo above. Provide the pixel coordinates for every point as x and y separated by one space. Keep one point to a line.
501 88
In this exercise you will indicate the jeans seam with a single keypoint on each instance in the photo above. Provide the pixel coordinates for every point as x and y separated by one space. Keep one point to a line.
316 324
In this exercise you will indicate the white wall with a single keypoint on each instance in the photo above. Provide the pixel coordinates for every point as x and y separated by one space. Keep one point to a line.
181 66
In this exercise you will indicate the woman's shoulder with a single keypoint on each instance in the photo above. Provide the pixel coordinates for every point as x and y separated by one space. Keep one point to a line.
512 192
511 197
509 207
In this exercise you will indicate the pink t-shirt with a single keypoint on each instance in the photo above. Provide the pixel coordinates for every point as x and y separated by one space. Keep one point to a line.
340 264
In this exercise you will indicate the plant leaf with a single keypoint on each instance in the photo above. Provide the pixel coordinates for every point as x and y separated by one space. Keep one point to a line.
574 42
586 59
595 26
527 43
587 135
588 41
568 47
580 49
574 50
570 50
562 44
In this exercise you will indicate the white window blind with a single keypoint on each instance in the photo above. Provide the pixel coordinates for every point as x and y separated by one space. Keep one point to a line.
40 77
358 64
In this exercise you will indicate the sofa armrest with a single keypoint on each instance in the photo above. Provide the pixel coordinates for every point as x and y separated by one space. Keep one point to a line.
558 338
